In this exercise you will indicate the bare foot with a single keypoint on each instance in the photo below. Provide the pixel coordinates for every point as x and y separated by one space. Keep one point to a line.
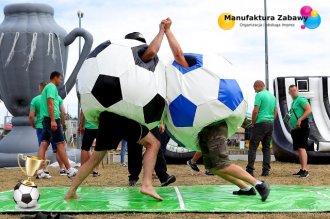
71 195
150 190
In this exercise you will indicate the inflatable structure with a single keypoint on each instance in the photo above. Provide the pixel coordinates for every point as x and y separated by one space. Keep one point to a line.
32 45
203 94
115 79
317 91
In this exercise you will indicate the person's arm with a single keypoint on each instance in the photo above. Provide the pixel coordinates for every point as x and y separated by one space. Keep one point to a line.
255 114
63 114
161 127
307 112
275 113
51 111
257 104
31 118
154 46
174 45
82 122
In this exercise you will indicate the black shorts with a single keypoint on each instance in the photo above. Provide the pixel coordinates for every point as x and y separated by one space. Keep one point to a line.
300 138
88 138
113 128
49 135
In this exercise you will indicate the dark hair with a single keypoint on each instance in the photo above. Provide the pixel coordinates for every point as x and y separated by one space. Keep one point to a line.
55 74
292 85
42 84
136 36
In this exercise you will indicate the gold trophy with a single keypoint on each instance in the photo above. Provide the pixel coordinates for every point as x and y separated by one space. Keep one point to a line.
32 164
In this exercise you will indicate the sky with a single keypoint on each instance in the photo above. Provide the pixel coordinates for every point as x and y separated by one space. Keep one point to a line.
292 51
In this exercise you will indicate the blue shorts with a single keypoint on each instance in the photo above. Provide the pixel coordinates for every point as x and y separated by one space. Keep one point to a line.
39 135
47 133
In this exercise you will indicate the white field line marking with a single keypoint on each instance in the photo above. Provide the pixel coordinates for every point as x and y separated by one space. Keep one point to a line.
178 194
324 195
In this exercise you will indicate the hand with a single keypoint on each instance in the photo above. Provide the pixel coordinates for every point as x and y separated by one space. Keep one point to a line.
162 26
71 194
168 23
53 125
298 123
161 128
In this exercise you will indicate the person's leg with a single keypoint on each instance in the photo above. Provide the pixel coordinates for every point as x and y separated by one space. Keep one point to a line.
134 155
215 138
266 149
239 183
123 151
85 155
83 172
39 135
60 163
86 144
42 150
149 160
61 151
45 139
160 166
192 162
164 139
256 137
196 157
303 158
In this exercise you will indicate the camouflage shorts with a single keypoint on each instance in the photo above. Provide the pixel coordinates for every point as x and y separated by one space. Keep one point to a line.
213 143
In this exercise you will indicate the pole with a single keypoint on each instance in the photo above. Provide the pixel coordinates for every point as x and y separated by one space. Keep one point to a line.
266 48
80 16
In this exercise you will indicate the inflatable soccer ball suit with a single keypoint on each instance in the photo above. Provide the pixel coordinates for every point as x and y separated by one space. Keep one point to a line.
203 94
114 78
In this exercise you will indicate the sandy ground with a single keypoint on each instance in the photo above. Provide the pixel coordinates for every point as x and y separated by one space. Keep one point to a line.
114 175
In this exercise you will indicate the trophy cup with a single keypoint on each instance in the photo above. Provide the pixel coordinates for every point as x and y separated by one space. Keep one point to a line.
26 193
32 46
32 164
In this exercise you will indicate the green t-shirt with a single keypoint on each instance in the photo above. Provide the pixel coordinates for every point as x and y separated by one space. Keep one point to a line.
35 106
50 91
89 125
267 103
298 106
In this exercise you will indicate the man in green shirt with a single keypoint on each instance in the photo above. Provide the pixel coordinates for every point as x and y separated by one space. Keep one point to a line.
299 113
52 128
35 113
263 116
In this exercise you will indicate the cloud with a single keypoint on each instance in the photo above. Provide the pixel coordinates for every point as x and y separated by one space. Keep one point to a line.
292 51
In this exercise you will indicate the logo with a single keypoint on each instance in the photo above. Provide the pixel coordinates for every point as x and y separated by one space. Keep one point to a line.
225 22
310 18
313 19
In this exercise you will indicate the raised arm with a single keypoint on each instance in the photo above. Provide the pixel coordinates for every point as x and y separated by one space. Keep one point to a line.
174 45
154 46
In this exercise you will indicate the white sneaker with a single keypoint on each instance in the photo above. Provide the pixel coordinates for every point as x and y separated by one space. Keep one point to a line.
71 172
41 174
63 172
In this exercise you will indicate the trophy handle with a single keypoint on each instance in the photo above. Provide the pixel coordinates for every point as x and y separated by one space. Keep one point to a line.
77 32
19 163
47 162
